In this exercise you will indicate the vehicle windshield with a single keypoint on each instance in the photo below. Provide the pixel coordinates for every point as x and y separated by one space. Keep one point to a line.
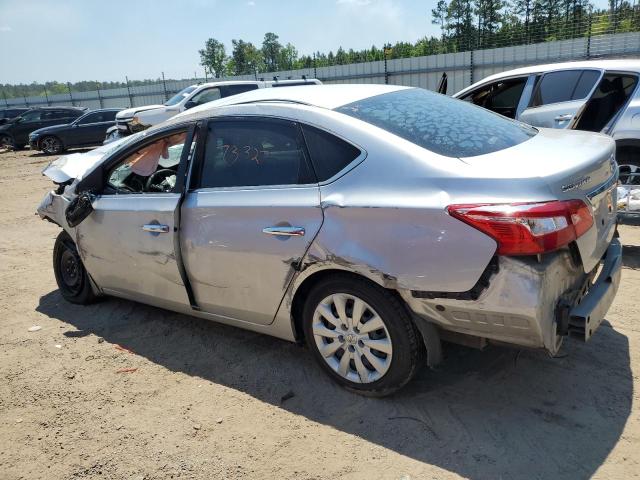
438 123
178 97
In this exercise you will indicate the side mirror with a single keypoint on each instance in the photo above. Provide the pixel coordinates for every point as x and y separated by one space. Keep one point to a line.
79 209
189 104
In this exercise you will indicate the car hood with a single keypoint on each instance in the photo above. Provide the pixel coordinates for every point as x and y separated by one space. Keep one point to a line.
77 165
51 129
130 112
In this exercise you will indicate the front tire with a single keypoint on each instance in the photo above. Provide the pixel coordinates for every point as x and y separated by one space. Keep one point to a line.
51 145
71 276
361 335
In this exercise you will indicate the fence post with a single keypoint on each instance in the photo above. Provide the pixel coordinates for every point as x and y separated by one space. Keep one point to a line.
129 92
386 72
315 67
4 95
164 87
73 103
471 68
99 96
46 95
589 37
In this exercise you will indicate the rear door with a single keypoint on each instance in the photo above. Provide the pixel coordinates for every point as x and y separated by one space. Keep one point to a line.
559 97
250 216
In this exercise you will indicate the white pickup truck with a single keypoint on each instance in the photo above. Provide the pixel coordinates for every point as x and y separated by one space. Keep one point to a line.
135 119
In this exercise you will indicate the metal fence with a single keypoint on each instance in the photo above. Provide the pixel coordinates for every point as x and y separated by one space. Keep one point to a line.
462 68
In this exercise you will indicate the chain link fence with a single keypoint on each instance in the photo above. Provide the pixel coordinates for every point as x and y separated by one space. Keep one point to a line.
590 38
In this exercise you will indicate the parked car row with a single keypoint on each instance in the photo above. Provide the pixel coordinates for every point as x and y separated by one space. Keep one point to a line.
370 222
55 129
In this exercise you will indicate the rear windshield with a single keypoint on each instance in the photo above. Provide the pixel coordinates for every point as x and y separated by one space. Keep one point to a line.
448 127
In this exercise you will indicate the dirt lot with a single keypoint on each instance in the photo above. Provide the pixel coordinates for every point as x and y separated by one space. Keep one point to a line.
209 401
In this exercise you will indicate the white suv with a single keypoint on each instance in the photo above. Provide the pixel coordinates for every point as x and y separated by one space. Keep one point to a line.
135 119
598 96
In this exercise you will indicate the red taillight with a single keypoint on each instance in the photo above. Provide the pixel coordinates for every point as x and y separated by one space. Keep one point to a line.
527 228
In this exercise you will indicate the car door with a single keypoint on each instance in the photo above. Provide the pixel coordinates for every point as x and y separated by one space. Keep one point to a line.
559 96
28 122
502 96
127 242
203 96
91 128
250 215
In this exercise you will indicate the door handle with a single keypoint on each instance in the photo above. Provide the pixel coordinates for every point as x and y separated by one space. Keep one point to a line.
155 228
564 118
284 231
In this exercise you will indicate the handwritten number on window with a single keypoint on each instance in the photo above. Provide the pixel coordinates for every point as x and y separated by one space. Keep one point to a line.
231 153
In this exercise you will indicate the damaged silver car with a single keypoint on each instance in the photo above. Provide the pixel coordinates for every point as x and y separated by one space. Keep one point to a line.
371 222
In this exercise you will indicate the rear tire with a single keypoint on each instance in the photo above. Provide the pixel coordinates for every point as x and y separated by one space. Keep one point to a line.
71 276
6 142
51 145
347 315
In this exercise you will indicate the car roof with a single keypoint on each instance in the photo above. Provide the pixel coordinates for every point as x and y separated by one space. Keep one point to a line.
322 96
628 65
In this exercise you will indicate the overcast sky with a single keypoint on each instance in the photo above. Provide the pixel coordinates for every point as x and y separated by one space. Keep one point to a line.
72 40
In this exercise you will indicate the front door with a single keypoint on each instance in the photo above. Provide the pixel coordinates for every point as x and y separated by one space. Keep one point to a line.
559 97
28 122
127 244
90 129
249 218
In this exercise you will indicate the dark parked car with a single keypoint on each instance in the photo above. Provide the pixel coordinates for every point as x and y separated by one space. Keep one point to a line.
87 130
7 114
15 133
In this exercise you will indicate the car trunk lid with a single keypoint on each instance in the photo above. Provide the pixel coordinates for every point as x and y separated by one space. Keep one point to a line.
568 165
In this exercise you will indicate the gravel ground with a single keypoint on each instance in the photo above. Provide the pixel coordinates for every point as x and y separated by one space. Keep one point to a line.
122 390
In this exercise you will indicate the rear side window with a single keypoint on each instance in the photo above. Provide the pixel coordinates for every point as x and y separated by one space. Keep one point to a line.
438 123
564 86
329 154
254 153
109 116
228 90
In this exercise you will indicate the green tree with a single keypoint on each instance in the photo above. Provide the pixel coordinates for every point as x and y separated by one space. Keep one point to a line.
213 57
288 57
271 49
439 15
246 59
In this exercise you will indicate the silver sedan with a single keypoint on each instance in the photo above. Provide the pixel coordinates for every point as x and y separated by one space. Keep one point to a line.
370 222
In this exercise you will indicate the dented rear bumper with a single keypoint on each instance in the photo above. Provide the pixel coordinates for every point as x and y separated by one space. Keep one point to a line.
521 302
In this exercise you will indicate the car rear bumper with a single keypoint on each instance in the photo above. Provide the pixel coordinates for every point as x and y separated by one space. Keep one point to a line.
529 302
586 315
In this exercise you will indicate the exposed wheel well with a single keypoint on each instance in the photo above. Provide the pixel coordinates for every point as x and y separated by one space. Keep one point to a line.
303 290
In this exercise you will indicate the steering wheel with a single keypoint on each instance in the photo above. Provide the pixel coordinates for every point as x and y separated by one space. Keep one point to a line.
156 181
